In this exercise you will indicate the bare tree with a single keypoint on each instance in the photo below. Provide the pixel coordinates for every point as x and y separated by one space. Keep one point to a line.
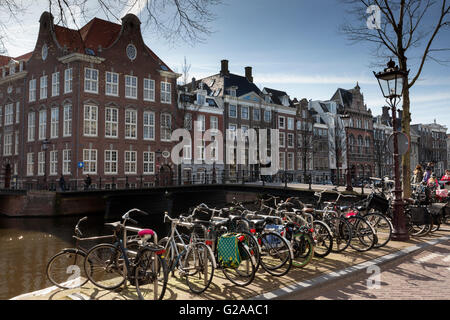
403 33
305 139
185 68
173 20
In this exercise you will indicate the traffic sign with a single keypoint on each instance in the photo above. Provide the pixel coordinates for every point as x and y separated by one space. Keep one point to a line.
81 164
403 143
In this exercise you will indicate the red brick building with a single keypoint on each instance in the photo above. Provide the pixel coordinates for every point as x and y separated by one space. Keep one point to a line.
95 101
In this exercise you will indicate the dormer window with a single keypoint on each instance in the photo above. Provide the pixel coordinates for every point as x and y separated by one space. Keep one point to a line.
285 101
201 99
232 92
12 68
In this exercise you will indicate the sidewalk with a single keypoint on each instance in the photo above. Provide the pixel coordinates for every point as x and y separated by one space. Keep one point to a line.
265 286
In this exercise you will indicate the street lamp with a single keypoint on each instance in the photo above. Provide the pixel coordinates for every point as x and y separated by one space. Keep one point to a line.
391 82
346 121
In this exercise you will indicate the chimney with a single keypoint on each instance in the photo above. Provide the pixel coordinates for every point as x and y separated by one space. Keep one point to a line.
248 74
224 69
193 84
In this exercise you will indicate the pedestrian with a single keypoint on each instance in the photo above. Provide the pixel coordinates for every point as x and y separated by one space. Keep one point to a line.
87 182
418 174
62 183
427 174
433 182
445 180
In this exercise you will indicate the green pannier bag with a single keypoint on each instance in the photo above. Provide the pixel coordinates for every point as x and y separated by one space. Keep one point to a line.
228 250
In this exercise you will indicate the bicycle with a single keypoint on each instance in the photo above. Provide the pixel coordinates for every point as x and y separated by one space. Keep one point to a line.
194 259
66 268
113 264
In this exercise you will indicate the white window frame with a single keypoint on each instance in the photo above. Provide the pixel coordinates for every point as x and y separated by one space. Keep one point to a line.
229 111
166 92
166 127
41 163
90 80
90 123
111 122
282 160
256 111
43 87
269 118
16 143
281 124
67 159
130 162
242 112
7 144
149 126
42 124
111 84
290 145
68 80
282 140
130 124
67 121
90 161
17 112
214 123
188 121
290 165
30 164
131 87
149 89
201 122
148 163
290 124
32 90
55 84
53 162
54 123
110 162
9 114
31 126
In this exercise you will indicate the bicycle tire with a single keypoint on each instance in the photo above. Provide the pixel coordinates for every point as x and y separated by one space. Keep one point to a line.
106 264
244 274
382 227
323 239
363 234
150 267
65 265
303 249
203 263
275 255
342 233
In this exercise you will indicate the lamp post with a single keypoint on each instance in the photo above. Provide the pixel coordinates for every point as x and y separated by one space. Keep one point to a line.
346 121
391 82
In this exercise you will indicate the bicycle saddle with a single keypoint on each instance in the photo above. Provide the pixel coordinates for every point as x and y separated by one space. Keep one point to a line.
146 232
115 225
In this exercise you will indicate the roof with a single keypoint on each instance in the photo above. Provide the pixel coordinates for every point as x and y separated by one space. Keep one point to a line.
4 60
276 95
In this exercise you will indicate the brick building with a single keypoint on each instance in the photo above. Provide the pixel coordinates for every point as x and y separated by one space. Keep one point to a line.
95 101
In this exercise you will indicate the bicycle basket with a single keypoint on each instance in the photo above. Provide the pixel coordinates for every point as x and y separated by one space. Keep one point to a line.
420 216
378 203
228 251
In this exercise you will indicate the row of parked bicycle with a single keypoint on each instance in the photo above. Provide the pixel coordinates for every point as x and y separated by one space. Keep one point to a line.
272 234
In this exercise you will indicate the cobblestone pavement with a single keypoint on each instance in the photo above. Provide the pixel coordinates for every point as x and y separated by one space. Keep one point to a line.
423 275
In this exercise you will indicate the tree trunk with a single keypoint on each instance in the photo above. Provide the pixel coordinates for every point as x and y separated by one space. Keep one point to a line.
406 160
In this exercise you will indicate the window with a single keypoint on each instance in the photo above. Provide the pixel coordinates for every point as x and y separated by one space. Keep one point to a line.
166 92
67 124
201 99
112 84
7 145
31 125
42 124
110 162
214 123
111 122
53 163
290 140
232 92
90 120
290 161
1 116
290 124
201 150
30 164
43 92
282 161
267 115
90 161
282 139
130 162
149 90
149 162
201 123
256 114
91 80
16 143
68 80
17 112
41 163
188 121
166 127
244 113
54 123
67 158
187 151
131 87
32 91
130 124
9 114
149 125
281 122
55 84
232 111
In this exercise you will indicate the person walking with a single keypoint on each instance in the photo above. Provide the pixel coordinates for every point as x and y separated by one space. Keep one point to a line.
87 182
418 174
62 183
445 180
427 174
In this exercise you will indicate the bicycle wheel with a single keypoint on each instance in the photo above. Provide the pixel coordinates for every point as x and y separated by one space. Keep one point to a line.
243 274
342 233
106 264
303 249
363 235
382 227
275 255
66 269
150 275
198 267
323 239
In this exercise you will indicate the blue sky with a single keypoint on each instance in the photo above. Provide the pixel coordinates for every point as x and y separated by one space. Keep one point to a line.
292 45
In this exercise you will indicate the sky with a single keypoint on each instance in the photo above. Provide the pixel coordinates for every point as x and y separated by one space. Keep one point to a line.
292 45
